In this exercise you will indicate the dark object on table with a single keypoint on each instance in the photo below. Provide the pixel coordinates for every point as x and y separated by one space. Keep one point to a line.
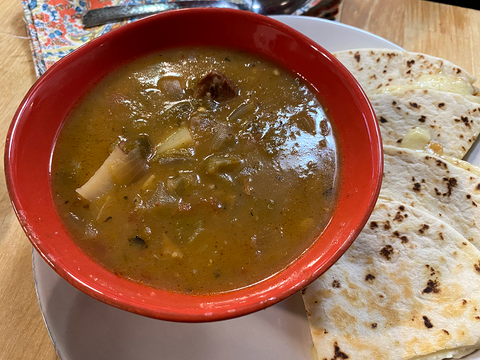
462 3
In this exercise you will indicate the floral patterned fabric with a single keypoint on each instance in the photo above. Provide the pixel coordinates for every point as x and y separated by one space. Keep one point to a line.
55 27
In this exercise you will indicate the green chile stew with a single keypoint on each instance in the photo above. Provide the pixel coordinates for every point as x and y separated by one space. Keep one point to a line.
196 170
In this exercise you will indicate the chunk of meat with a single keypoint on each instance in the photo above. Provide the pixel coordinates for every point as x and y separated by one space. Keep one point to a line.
215 86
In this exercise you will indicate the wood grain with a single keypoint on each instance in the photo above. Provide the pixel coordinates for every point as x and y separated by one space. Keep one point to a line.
440 30
23 335
446 31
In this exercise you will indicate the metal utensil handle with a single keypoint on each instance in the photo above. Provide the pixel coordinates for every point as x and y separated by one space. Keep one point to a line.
108 14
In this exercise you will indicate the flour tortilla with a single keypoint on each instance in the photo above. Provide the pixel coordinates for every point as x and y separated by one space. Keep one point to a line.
431 183
408 288
452 121
384 70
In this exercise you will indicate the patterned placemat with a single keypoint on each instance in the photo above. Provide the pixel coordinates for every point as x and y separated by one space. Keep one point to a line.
55 26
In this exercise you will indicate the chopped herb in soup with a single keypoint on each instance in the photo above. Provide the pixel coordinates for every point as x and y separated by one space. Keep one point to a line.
196 170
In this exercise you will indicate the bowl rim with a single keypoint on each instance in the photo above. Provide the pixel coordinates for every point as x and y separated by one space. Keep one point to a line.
222 308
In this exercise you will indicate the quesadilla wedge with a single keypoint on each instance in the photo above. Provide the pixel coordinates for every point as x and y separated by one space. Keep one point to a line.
433 184
407 288
385 70
450 123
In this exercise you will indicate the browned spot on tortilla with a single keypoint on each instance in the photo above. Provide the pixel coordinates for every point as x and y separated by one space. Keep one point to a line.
474 203
373 76
386 225
386 251
416 187
414 105
465 121
422 118
410 63
401 208
478 187
441 163
369 277
373 225
423 228
336 284
477 267
394 103
445 331
374 325
441 105
404 239
383 120
440 235
432 287
451 183
427 322
338 353
398 217
357 56
464 302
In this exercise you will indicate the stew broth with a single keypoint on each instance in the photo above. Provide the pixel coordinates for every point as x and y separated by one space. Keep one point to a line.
170 184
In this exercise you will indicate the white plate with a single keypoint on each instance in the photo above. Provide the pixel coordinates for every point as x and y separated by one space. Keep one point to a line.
83 328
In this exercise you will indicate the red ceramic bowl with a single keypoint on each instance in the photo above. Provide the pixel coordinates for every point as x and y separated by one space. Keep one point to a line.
33 132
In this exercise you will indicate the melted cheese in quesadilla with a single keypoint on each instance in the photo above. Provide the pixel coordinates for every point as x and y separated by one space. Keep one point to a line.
441 82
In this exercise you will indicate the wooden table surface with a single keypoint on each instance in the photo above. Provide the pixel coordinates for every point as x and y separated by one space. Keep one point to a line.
446 31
